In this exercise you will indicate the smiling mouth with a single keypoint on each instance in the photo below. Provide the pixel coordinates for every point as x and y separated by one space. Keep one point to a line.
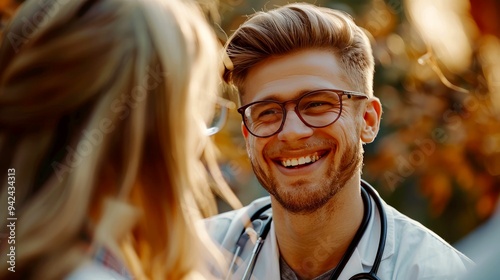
301 161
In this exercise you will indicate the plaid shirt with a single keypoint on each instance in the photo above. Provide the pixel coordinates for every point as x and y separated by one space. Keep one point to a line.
104 257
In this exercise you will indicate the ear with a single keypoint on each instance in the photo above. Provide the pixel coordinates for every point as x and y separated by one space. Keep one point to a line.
371 117
244 131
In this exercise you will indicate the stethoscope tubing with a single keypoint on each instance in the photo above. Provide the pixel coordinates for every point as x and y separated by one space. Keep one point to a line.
372 274
257 248
367 213
383 228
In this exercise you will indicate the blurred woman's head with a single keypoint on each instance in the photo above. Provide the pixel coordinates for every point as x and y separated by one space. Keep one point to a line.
107 100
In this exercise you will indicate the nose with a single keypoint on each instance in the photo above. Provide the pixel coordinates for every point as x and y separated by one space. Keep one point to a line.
293 128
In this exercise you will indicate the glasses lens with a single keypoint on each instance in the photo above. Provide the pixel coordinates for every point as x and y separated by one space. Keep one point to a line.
320 108
222 107
263 118
218 121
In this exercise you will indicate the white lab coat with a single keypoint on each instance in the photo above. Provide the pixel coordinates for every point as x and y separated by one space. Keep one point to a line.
411 252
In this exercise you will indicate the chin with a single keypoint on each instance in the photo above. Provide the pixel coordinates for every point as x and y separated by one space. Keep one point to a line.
301 201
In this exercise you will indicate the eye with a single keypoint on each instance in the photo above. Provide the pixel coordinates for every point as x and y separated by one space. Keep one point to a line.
318 107
316 104
319 103
265 111
269 112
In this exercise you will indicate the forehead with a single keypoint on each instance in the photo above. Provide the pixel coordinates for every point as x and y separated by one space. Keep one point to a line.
286 77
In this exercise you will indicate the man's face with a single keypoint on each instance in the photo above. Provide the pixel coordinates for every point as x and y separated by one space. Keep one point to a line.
334 151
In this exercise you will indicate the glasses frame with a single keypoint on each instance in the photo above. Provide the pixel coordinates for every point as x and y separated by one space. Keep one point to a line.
225 106
339 92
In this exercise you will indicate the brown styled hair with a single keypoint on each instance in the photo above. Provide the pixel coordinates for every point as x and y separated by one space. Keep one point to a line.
297 27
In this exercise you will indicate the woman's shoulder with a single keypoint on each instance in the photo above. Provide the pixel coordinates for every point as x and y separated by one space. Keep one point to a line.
94 270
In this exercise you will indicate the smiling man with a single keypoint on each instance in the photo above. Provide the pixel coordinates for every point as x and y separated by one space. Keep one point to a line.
305 78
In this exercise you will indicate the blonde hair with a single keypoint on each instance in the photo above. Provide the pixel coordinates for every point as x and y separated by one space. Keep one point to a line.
103 106
296 27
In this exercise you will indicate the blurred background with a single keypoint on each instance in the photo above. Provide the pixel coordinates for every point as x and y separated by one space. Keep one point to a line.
437 156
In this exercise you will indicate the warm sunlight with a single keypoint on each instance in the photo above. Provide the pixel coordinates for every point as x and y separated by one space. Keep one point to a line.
446 27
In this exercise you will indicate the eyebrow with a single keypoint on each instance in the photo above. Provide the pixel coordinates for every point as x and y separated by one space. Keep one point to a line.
275 96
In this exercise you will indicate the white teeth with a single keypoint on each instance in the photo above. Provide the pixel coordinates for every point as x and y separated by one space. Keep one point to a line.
299 161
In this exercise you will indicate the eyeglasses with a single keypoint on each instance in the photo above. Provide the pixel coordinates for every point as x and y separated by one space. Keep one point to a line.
222 106
316 109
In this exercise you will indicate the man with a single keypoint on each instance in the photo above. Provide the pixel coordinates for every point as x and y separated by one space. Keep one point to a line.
304 76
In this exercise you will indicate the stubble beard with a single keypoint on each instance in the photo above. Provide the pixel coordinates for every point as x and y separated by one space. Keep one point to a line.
299 200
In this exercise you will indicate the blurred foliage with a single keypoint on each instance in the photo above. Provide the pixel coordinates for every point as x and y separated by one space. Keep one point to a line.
7 10
437 156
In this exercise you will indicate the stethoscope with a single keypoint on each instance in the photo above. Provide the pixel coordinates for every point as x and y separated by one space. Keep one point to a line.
367 191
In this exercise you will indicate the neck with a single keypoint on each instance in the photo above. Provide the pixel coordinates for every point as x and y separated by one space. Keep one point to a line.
314 243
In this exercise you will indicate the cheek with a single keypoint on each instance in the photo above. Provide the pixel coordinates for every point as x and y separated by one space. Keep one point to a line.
254 147
251 148
347 133
352 125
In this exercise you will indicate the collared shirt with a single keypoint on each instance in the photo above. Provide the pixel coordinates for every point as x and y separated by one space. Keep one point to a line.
411 252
